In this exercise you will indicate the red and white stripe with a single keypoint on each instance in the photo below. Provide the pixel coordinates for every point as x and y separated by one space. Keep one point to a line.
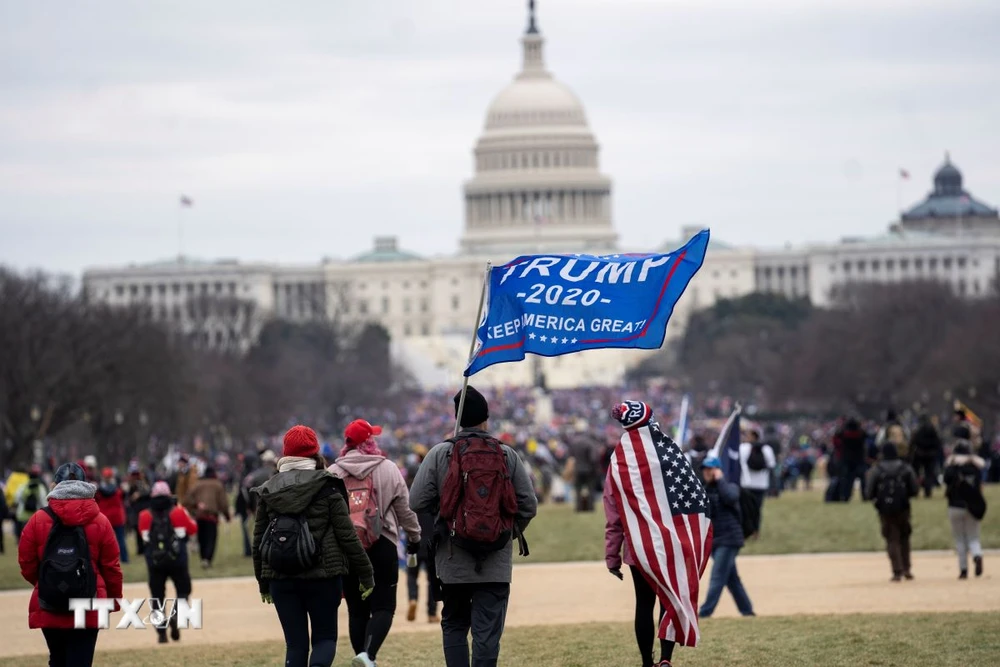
672 551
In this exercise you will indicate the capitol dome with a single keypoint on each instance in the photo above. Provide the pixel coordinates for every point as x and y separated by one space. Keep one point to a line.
537 184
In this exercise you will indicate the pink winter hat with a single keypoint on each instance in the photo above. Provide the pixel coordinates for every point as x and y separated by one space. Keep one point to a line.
161 488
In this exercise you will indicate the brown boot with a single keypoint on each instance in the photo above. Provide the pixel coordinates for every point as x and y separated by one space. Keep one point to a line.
411 612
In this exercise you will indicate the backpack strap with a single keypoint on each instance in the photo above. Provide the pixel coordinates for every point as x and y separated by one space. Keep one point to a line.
48 510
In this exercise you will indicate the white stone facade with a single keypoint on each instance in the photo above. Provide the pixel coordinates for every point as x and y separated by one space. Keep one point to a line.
537 187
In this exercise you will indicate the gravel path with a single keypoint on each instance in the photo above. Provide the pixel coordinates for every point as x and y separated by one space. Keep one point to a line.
566 593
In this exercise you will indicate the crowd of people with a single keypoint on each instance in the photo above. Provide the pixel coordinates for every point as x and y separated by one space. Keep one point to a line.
328 521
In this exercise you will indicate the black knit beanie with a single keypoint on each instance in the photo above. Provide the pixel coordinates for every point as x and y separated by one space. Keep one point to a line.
476 410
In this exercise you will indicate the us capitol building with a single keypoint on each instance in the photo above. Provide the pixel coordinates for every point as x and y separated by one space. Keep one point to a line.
538 187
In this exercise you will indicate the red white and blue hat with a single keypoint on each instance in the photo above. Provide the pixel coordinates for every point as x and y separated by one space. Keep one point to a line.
632 414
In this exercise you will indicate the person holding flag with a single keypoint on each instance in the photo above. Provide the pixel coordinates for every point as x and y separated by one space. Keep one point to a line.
656 514
735 515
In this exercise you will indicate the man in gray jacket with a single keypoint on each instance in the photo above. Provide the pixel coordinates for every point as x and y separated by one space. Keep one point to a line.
474 592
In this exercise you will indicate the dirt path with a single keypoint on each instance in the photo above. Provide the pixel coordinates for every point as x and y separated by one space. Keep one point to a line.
581 592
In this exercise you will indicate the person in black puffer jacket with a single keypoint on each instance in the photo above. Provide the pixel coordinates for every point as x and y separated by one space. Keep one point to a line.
303 486
727 539
963 475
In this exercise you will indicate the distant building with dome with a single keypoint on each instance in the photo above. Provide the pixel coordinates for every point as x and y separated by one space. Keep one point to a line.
537 187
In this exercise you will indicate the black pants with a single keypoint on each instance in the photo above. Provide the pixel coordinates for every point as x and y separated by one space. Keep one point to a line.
759 495
158 577
299 603
584 488
425 560
645 628
70 648
481 608
896 530
925 468
208 537
371 619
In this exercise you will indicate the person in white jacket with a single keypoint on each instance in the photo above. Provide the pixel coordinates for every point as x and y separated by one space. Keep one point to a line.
757 463
363 466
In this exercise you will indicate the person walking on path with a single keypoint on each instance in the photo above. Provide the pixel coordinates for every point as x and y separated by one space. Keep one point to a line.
925 448
165 529
207 501
425 553
727 539
111 502
891 483
380 506
963 478
475 580
305 504
51 536
757 465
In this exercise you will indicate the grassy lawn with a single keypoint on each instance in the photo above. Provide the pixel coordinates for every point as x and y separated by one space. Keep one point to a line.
964 640
798 522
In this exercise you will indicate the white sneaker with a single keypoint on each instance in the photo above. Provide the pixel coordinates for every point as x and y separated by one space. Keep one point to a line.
362 660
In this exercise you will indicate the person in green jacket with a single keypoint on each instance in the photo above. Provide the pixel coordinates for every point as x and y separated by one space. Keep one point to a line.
303 487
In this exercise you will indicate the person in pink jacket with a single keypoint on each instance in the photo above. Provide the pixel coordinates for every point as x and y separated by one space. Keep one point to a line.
380 503
616 552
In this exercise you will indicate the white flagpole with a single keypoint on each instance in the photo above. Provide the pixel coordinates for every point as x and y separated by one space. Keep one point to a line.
472 348
721 440
682 422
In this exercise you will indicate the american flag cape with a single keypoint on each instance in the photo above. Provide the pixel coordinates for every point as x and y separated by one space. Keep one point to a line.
664 514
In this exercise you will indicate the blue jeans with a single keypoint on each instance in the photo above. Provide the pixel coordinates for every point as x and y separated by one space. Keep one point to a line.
724 575
122 544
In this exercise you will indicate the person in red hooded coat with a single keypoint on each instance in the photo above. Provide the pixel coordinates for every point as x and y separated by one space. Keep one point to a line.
111 502
72 501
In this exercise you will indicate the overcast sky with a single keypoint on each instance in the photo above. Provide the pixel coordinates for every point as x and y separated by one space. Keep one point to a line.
304 129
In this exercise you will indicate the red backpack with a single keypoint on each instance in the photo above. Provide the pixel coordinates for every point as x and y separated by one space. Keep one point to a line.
478 502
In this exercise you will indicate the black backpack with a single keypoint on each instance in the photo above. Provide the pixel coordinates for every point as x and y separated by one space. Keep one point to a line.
288 546
756 460
749 513
66 571
892 497
31 497
164 547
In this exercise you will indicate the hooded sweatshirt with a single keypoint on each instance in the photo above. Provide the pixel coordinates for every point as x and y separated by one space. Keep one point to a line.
960 468
73 502
390 492
294 492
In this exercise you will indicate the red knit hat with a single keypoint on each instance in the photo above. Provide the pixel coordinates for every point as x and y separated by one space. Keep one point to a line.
300 441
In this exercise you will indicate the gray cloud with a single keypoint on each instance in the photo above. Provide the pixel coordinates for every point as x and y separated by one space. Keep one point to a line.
293 127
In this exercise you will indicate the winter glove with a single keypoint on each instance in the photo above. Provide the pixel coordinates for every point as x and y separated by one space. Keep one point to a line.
266 598
412 547
366 591
617 572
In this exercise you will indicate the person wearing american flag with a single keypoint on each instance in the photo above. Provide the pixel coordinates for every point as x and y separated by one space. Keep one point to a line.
657 524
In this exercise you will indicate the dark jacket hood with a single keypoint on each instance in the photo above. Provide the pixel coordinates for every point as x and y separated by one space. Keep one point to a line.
891 466
161 503
291 492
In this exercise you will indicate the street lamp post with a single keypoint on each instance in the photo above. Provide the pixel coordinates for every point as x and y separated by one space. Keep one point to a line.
139 449
36 445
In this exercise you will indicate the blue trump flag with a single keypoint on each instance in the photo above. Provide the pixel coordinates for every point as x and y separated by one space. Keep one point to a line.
727 448
552 305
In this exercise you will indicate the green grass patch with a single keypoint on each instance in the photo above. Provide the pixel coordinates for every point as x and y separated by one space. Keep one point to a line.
797 522
965 640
